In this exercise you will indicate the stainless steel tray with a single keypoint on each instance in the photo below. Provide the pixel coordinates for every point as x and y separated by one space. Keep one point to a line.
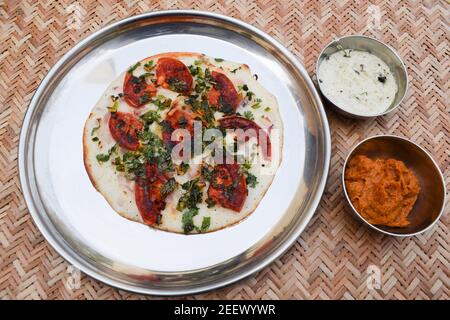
77 221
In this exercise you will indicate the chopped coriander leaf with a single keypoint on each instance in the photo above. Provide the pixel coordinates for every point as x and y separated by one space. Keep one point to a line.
177 85
218 60
251 180
102 157
208 75
113 149
153 150
132 68
234 70
267 109
195 71
150 116
206 223
132 163
198 62
192 195
145 75
246 165
95 139
243 87
119 164
206 173
188 219
249 115
162 102
149 65
183 168
249 95
144 98
257 104
168 187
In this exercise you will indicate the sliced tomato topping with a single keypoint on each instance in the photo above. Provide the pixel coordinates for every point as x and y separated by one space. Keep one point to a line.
137 91
174 75
177 118
236 122
124 128
228 187
223 95
213 97
147 191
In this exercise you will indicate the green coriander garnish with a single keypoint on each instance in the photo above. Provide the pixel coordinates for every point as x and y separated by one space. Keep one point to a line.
183 168
134 67
251 180
162 102
257 104
149 65
249 115
168 187
206 223
149 117
234 70
188 220
249 95
102 157
192 195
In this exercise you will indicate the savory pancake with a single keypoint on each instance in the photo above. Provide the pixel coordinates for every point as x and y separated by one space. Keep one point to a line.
140 154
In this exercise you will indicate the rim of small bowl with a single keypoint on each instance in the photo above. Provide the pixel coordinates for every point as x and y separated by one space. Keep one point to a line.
357 115
438 217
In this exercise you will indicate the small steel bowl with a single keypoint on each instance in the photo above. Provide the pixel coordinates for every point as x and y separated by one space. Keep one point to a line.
431 199
382 51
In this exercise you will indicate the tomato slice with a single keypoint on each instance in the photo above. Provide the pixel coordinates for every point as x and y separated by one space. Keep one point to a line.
137 91
228 187
223 95
177 118
237 122
174 75
124 128
147 192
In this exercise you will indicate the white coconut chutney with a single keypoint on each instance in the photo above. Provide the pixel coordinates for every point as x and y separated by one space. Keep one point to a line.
357 81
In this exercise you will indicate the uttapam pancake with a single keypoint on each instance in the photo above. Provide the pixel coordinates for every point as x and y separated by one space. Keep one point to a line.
139 124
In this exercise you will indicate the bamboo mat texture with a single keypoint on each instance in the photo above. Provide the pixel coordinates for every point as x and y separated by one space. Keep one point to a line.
336 257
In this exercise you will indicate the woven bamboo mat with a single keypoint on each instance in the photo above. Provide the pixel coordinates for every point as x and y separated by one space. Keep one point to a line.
336 257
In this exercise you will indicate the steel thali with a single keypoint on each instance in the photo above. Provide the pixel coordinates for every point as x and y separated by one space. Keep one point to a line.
81 226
